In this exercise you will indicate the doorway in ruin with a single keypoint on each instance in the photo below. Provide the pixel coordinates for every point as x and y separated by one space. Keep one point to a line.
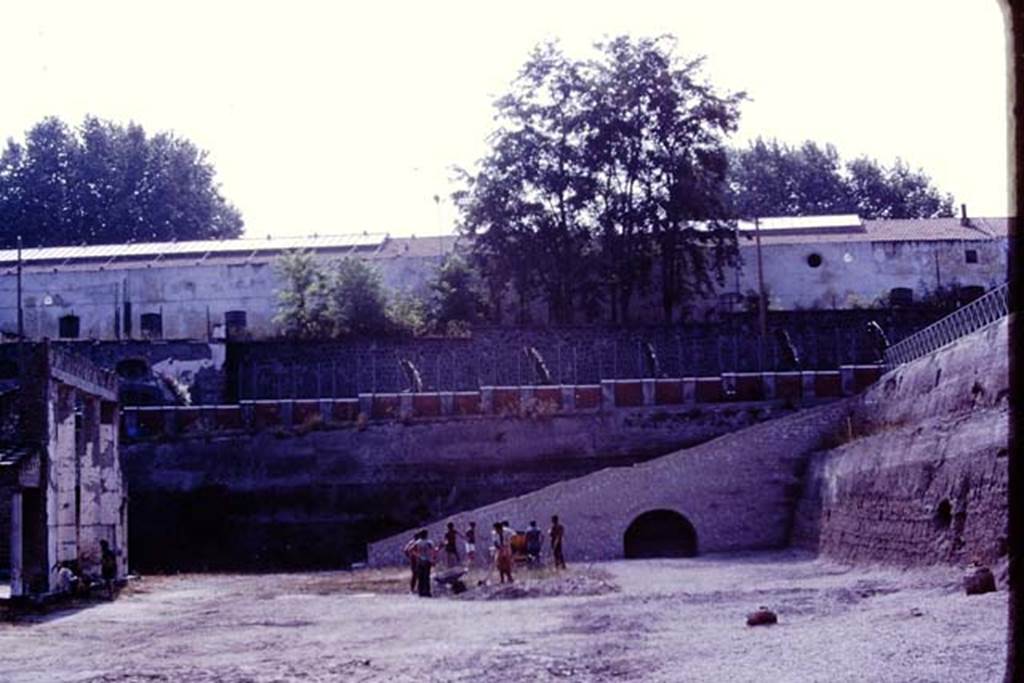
660 533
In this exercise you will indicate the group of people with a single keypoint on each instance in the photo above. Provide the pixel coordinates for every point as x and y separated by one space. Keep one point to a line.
505 544
73 581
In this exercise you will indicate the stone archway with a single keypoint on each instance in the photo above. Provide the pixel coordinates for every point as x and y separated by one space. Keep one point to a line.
660 533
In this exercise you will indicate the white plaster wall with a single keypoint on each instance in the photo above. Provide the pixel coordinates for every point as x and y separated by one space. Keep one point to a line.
856 274
191 298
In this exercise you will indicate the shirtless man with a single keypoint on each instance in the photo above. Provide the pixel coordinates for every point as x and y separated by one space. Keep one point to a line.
451 549
557 535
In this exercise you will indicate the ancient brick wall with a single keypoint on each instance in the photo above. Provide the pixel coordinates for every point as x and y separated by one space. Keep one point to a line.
921 475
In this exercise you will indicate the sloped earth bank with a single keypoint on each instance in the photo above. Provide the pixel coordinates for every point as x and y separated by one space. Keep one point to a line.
644 620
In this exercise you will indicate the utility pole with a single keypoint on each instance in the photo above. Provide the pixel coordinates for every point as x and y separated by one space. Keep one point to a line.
21 313
762 306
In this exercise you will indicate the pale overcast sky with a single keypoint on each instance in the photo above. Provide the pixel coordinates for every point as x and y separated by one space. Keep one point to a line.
336 118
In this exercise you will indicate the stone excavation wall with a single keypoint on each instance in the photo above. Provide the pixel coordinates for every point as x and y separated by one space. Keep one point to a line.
920 474
286 499
738 492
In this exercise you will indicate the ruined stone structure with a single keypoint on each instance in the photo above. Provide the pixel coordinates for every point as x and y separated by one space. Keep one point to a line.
61 486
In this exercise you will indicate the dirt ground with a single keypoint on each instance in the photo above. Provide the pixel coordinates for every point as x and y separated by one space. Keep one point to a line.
651 620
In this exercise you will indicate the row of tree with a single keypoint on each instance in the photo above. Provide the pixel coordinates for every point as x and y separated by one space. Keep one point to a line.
319 300
105 183
611 176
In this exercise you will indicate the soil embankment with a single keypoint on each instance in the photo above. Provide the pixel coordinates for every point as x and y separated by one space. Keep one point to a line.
920 475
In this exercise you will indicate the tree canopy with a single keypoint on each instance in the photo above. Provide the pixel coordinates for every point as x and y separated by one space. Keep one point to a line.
106 183
319 300
770 178
605 176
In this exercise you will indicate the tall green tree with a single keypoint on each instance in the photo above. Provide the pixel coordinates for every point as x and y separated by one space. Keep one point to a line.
107 183
659 160
770 178
357 303
302 297
319 300
456 295
601 172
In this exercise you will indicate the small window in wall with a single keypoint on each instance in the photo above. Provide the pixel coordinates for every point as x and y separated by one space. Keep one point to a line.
67 327
971 255
152 325
901 296
234 324
814 260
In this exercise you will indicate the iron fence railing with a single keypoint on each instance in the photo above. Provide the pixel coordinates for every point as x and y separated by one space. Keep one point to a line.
983 311
468 365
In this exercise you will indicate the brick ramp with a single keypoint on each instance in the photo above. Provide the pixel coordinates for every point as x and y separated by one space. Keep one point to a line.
739 492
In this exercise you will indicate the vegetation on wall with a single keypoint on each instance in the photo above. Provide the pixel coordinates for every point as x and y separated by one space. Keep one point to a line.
105 183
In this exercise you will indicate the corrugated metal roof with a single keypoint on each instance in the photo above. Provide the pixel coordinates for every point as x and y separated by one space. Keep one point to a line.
778 224
154 250
906 230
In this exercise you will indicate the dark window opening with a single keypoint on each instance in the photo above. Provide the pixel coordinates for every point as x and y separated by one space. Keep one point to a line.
971 255
943 515
660 533
814 260
234 324
68 327
132 368
108 412
901 296
127 319
151 325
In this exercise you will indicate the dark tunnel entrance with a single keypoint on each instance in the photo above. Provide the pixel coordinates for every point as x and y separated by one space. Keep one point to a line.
660 533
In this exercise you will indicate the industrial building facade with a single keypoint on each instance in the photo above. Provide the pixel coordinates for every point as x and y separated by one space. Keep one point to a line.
218 289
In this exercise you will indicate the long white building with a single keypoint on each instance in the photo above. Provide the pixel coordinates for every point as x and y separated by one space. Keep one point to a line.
208 289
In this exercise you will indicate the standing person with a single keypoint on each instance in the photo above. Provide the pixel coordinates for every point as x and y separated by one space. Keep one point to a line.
557 536
108 567
451 549
534 544
410 552
425 552
503 552
470 537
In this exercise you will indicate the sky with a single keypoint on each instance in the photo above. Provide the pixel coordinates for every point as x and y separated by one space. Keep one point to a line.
335 118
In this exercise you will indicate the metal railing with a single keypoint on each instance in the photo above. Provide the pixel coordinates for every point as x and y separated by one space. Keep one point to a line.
983 311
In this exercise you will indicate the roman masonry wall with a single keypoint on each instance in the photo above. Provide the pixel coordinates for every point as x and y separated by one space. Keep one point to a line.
312 496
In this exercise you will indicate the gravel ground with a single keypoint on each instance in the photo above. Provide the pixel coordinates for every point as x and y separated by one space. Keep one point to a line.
655 620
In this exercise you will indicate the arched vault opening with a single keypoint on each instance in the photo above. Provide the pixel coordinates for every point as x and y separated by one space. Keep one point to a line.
660 533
